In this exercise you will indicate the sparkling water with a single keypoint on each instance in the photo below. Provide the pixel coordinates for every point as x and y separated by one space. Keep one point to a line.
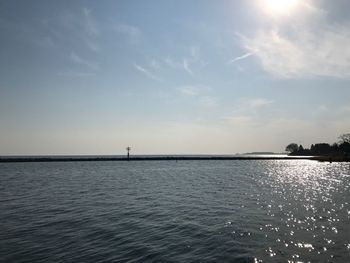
168 211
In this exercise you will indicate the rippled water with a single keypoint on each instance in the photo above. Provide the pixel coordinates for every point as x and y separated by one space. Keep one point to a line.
167 211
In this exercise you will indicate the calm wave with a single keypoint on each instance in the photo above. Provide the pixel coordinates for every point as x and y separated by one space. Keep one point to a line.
167 211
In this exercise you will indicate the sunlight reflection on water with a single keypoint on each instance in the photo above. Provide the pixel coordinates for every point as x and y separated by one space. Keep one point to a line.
308 200
186 211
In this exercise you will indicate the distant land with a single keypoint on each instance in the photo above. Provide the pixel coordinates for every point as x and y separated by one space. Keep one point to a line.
340 150
16 159
263 153
337 152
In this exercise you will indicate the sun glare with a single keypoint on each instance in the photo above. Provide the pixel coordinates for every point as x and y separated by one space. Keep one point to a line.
279 7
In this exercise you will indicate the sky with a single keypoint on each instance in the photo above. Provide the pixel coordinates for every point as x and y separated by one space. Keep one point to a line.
172 77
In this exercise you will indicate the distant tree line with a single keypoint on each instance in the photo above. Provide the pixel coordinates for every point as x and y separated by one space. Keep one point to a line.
342 148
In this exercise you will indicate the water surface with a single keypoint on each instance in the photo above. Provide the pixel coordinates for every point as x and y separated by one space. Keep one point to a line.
167 211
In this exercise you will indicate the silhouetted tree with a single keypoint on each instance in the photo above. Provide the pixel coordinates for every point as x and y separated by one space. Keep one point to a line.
344 148
323 149
344 138
292 147
335 147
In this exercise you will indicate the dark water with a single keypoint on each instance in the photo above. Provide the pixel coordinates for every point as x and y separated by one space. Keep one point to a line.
189 211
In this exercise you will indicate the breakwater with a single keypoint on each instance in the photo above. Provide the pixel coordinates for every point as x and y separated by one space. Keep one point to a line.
158 158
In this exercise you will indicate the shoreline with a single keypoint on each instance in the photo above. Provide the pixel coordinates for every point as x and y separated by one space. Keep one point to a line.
168 158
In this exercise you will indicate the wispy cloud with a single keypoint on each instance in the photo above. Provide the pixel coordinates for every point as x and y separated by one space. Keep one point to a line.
92 45
194 90
322 109
188 90
172 63
90 23
155 64
147 72
303 48
246 55
209 101
200 94
249 112
239 119
133 33
259 102
80 61
82 23
80 26
59 32
344 109
193 62
186 66
75 74
190 63
45 42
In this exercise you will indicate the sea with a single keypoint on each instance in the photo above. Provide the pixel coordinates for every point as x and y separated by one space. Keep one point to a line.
175 211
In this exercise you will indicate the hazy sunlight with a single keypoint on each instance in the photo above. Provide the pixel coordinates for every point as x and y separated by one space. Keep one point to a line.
279 7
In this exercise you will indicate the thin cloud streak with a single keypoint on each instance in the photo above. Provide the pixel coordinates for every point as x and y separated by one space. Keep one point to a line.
259 102
247 55
80 61
190 64
80 26
187 67
146 72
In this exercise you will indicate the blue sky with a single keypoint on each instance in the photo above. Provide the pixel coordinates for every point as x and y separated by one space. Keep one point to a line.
172 77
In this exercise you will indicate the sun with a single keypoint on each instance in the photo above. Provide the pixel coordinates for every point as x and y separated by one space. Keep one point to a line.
279 7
